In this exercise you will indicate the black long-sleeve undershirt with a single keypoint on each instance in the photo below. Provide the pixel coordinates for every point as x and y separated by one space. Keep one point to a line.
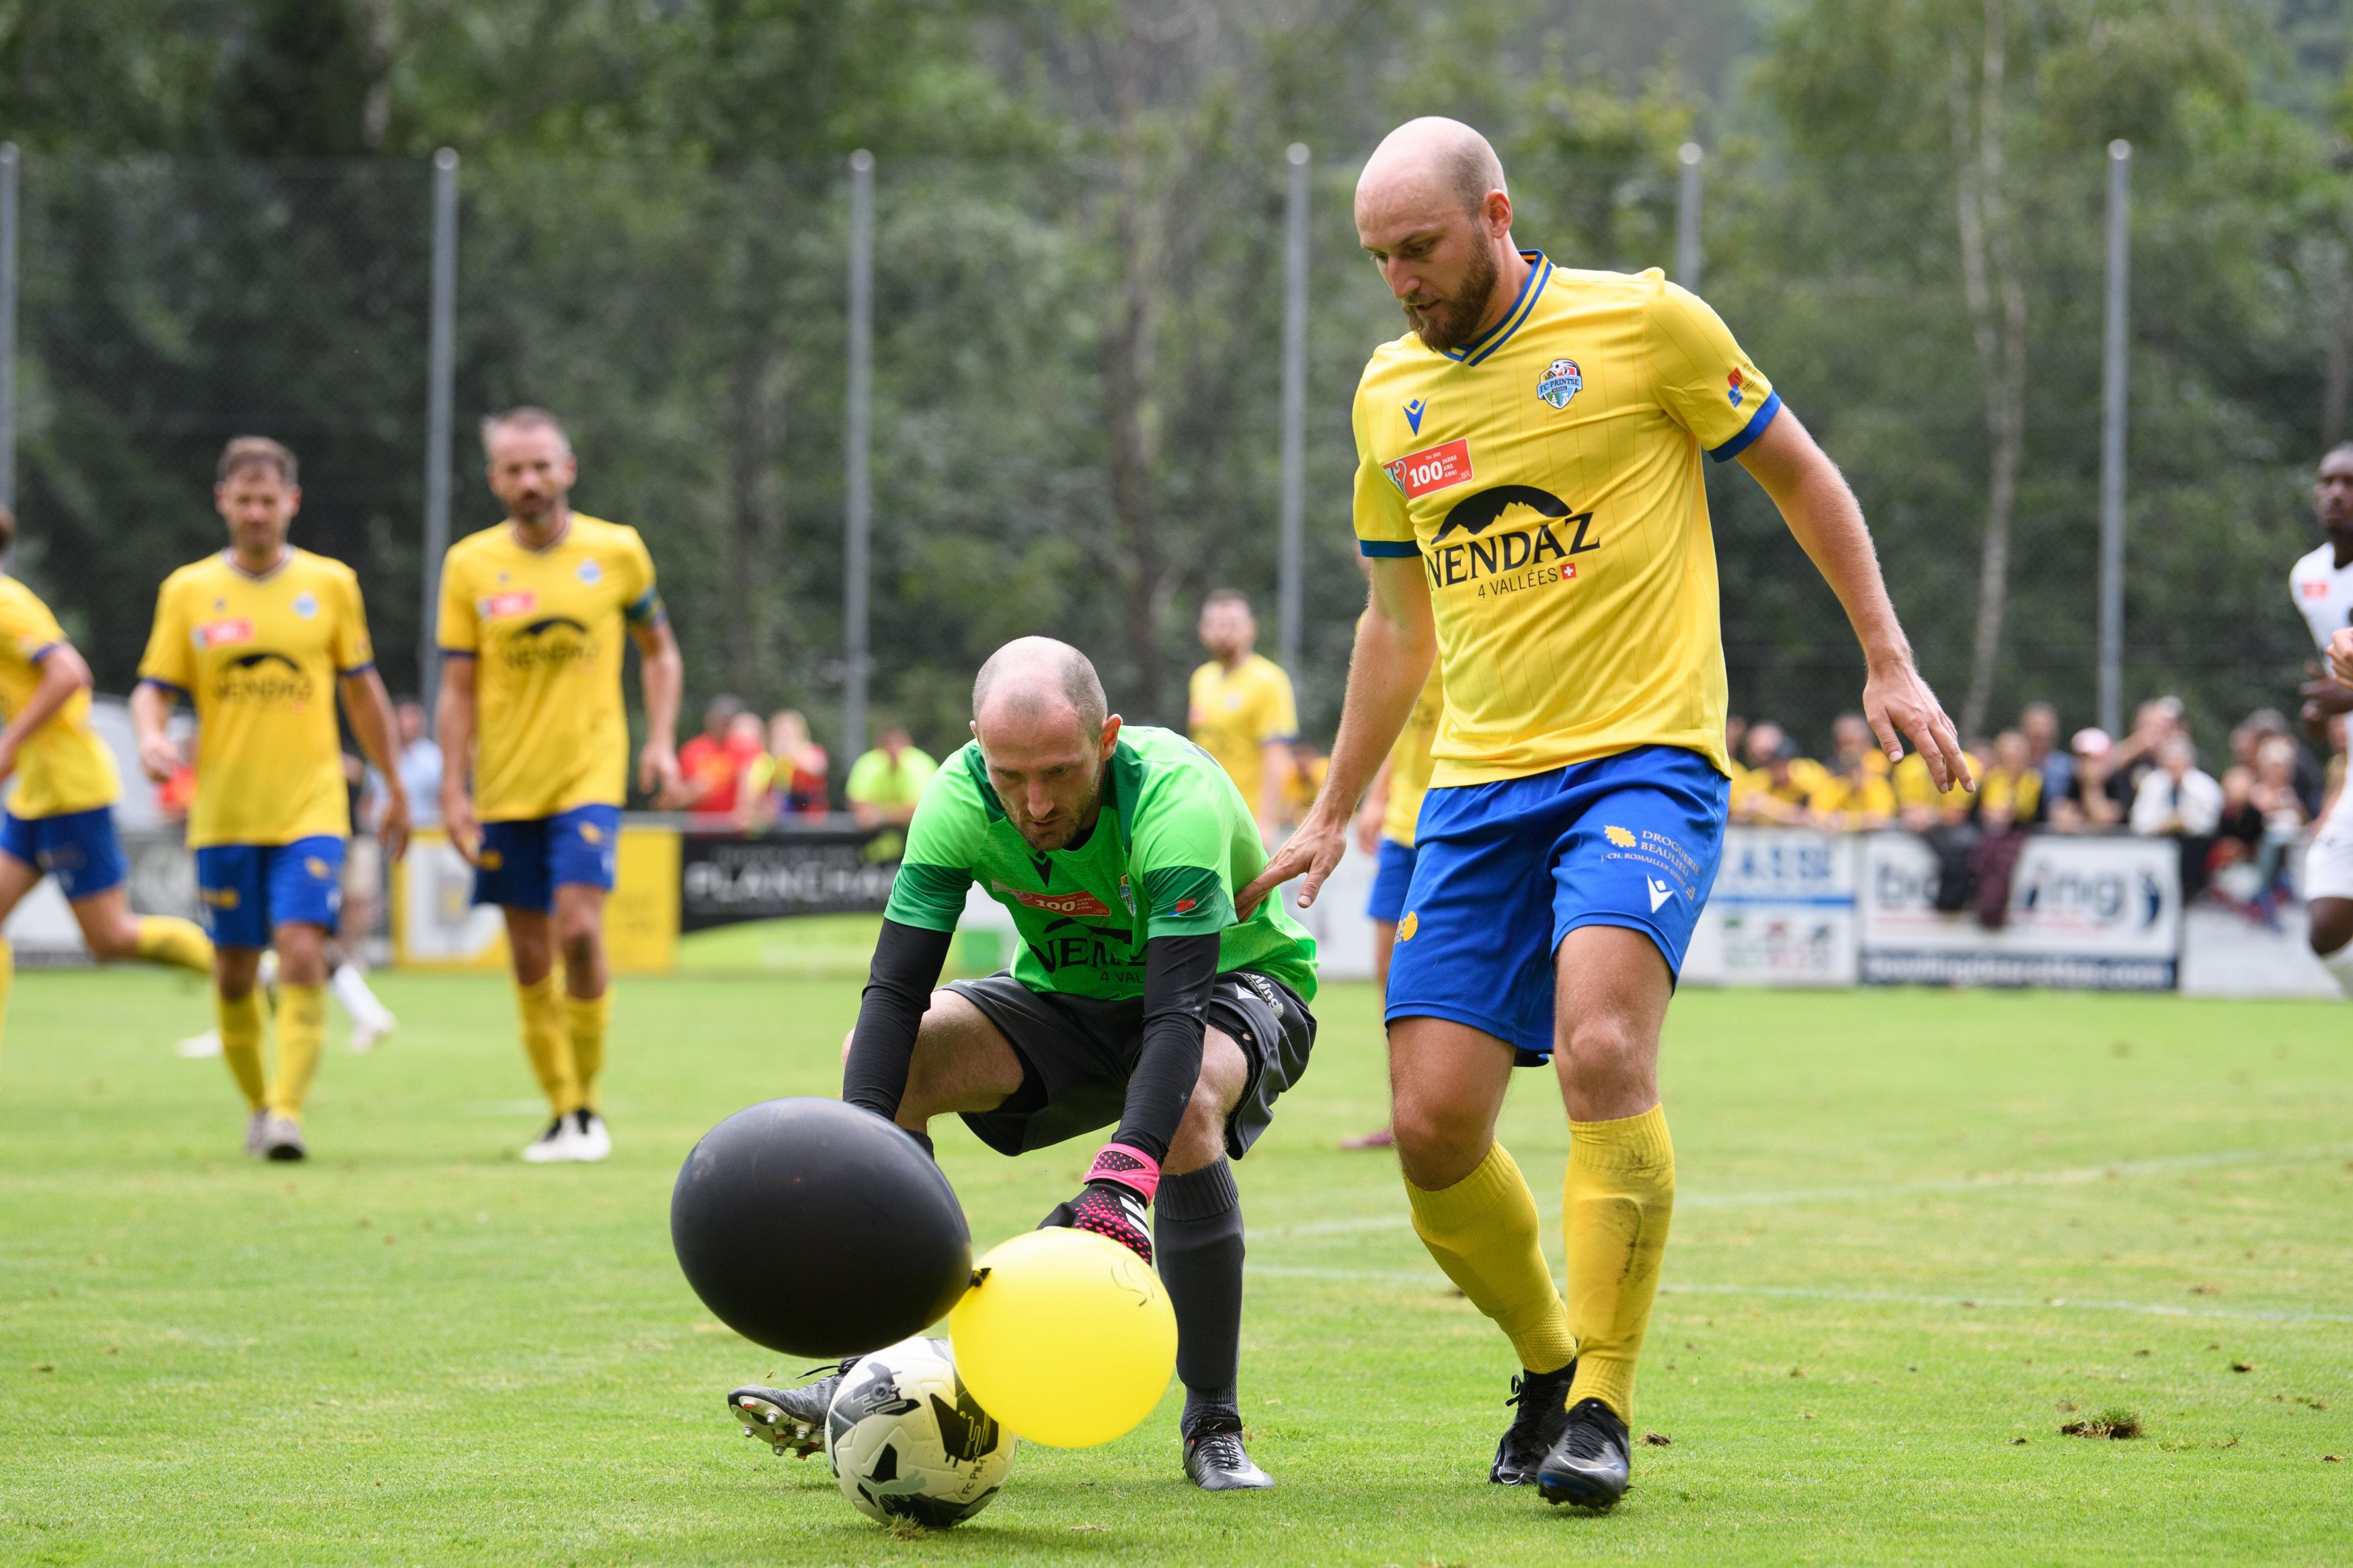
907 964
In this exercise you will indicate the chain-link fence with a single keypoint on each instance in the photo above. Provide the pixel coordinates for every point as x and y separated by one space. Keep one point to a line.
1077 401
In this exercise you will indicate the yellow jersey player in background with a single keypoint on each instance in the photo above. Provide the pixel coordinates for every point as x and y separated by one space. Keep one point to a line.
532 613
1241 710
60 819
1530 492
262 637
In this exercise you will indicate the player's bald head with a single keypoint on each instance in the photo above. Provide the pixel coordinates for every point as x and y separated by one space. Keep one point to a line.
1428 160
1038 681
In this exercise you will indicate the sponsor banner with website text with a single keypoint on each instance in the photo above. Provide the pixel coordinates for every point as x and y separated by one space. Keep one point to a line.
1782 911
819 869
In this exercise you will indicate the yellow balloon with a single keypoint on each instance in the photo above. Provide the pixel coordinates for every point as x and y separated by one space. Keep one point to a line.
1067 1339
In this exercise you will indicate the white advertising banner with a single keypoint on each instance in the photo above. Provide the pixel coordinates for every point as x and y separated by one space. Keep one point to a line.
1782 911
2084 913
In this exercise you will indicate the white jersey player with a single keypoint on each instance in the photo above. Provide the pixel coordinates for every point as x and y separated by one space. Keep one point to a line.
2322 584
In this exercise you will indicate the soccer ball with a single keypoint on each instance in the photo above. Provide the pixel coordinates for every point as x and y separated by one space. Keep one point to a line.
907 1440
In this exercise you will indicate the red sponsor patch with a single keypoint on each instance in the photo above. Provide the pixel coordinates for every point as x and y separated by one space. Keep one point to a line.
521 602
1079 903
2314 588
225 633
1431 468
1185 905
1568 571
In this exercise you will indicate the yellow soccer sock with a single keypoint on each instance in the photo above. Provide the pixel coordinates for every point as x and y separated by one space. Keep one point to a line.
1482 1231
543 1040
301 1029
165 939
1616 1203
584 1026
8 978
240 1033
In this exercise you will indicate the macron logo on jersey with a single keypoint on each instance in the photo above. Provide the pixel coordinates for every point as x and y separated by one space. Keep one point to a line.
225 633
1082 902
1431 468
498 606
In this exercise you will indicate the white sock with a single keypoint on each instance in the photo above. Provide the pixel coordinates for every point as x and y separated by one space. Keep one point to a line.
2340 964
352 991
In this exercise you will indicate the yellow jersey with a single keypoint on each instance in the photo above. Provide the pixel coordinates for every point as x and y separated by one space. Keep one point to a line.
62 767
1234 714
1751 786
1866 800
1410 759
1913 787
545 630
260 658
1548 477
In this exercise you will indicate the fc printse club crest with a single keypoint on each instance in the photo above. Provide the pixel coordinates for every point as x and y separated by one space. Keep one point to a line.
1560 382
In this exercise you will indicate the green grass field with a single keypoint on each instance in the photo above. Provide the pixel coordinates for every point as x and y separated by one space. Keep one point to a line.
1918 1232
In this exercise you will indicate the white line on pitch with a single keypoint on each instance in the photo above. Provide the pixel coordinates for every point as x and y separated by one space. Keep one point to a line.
1867 1298
2082 1175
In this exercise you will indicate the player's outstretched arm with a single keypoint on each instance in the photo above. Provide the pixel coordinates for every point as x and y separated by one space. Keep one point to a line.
661 675
1827 520
63 673
369 706
1395 641
454 729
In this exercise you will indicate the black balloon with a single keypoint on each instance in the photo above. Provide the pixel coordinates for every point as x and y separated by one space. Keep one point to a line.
819 1229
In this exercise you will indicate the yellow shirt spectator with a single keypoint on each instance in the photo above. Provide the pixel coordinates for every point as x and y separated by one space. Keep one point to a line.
1852 801
1917 791
1776 792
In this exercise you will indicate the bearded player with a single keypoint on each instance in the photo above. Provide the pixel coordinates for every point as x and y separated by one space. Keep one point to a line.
1140 999
262 637
1529 489
532 617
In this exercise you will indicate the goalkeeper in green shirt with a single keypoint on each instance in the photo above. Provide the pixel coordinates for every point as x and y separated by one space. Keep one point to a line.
1139 1000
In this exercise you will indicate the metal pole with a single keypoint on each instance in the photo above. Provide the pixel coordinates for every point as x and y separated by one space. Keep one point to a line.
1294 407
7 324
1687 216
2112 442
440 375
859 487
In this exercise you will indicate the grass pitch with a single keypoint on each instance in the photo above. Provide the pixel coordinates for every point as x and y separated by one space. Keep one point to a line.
1918 1233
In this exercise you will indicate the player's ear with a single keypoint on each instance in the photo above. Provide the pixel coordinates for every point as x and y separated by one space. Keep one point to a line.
1110 734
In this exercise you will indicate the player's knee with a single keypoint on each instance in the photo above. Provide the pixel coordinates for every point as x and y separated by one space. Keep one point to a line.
2332 925
1438 1141
1604 1043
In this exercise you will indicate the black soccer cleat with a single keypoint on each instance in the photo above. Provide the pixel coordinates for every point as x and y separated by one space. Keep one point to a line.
789 1420
1589 1465
1543 1401
1217 1463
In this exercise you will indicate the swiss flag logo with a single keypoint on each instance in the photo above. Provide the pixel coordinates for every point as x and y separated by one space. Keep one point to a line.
1431 468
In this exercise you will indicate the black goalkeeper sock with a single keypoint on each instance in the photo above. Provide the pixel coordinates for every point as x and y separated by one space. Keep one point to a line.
1197 1236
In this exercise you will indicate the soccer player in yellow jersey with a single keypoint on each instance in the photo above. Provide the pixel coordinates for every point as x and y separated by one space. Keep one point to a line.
1241 710
59 820
532 613
1385 829
1529 491
262 637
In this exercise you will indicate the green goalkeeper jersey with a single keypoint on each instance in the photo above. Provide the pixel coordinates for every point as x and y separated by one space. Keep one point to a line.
1174 842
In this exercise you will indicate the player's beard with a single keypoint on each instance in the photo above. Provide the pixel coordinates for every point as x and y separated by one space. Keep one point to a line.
1453 321
1067 824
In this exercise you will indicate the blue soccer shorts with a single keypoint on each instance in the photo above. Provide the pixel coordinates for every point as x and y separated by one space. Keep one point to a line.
1391 876
1503 872
524 862
77 848
250 890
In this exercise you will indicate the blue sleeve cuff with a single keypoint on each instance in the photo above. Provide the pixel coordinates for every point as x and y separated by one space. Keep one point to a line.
43 652
355 669
455 652
163 685
1393 549
1750 431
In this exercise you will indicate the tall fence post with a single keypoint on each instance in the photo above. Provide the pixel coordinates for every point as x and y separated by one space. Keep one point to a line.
1687 216
8 162
2112 442
857 488
440 377
1294 407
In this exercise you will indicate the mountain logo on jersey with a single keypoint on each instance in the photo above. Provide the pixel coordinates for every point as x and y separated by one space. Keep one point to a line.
542 626
251 678
1513 558
1081 903
1413 413
1474 514
1432 468
548 642
1560 382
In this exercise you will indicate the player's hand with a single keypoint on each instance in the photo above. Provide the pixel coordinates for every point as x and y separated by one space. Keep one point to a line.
159 758
657 774
391 826
1899 705
458 820
1309 854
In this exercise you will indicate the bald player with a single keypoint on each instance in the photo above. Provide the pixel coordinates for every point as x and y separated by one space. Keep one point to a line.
1140 1000
1530 492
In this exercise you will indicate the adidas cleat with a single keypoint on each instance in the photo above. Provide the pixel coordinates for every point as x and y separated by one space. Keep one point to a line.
789 1420
1590 1465
1543 1415
1217 1462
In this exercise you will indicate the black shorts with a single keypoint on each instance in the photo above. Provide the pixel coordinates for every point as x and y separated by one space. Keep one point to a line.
1077 1052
